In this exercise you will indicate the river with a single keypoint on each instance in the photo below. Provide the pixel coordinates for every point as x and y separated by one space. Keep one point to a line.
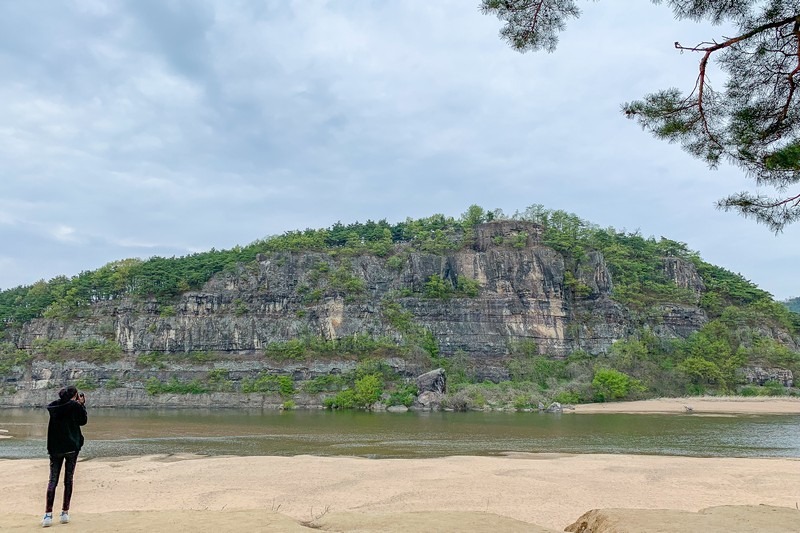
128 432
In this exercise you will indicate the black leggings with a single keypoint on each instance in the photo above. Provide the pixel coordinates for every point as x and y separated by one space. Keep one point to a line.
56 461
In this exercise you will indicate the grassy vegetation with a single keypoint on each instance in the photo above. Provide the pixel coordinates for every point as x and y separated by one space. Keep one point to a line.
310 347
92 351
160 359
11 357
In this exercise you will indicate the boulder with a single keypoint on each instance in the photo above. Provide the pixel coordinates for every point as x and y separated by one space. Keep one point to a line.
429 401
433 381
758 375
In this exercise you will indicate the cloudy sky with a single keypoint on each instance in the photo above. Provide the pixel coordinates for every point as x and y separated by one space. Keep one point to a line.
164 127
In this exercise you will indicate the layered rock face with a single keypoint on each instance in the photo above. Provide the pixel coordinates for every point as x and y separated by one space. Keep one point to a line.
522 294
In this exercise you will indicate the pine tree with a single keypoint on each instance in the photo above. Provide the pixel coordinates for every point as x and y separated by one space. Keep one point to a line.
752 122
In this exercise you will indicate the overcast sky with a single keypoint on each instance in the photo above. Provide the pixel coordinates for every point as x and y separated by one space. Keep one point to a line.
165 127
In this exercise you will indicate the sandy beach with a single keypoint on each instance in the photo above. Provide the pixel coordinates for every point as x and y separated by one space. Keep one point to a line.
699 405
515 492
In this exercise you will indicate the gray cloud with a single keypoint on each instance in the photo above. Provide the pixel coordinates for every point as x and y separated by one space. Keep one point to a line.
140 128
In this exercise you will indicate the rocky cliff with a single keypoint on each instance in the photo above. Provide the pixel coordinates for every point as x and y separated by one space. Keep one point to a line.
520 293
477 303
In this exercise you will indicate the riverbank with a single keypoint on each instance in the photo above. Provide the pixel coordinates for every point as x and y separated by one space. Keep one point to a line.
699 405
508 493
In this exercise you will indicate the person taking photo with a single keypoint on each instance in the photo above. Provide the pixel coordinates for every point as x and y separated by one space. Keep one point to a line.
64 442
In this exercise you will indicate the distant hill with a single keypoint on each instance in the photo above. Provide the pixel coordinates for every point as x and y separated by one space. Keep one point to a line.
547 305
793 304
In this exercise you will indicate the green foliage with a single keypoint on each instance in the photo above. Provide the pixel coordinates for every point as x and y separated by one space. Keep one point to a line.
637 266
774 388
429 343
750 122
155 386
362 387
11 357
701 370
473 216
367 390
713 355
567 398
437 287
397 262
403 396
539 370
610 384
578 288
360 346
748 391
86 384
343 282
294 349
520 240
219 380
459 368
467 286
266 382
153 359
92 351
773 353
504 395
442 289
199 356
167 311
239 307
113 383
523 347
326 383
399 318
343 400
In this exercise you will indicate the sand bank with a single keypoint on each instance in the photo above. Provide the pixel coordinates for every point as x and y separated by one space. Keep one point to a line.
497 494
699 405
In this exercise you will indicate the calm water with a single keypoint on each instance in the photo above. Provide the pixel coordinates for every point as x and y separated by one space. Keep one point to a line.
121 432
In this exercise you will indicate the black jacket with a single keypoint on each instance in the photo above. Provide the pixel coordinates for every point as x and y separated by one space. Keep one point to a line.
64 430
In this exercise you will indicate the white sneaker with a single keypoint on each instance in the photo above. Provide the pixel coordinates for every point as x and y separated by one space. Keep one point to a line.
64 517
47 521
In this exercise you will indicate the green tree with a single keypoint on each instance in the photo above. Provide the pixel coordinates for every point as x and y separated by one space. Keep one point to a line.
438 287
367 390
473 216
610 384
752 122
701 371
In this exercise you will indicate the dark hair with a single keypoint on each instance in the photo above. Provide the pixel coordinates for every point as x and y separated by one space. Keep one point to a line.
67 393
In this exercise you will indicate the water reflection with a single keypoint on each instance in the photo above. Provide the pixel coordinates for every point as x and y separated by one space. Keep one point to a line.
125 432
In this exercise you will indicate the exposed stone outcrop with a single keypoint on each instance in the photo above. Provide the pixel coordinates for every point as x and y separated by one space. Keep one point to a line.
684 275
433 381
525 292
522 295
429 401
758 375
593 273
